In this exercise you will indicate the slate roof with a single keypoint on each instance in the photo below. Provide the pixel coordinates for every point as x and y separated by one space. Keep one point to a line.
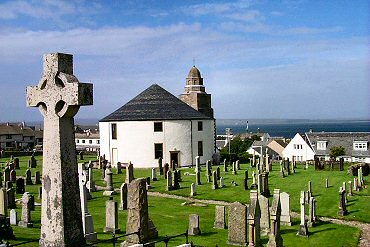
335 139
155 103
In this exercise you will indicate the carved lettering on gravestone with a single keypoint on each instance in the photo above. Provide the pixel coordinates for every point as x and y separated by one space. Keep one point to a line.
59 96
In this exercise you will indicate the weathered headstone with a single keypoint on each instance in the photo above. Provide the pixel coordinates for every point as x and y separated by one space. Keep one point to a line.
119 168
176 182
345 191
326 183
166 168
303 230
137 213
208 168
109 190
194 225
169 181
246 180
81 154
254 183
220 217
342 203
275 239
237 227
222 182
197 178
28 177
91 182
193 191
26 211
218 173
11 198
6 174
37 177
16 163
160 166
350 190
123 196
40 193
214 181
355 184
225 166
13 217
254 217
154 174
285 218
59 96
129 173
282 170
312 212
111 216
197 164
3 202
265 184
19 186
235 172
13 175
264 206
309 189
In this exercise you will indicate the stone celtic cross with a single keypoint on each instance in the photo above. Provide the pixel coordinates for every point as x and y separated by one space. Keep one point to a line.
59 96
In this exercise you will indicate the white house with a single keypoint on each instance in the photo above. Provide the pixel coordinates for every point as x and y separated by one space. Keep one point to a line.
87 141
157 124
298 149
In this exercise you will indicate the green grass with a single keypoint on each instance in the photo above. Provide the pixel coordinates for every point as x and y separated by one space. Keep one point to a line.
171 217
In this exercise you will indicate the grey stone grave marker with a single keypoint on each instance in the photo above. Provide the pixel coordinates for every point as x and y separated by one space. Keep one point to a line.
123 196
254 217
303 230
220 217
26 211
285 218
194 225
237 231
264 205
275 239
111 216
13 217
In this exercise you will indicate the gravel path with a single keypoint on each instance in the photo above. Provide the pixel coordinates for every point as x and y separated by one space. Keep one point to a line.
364 227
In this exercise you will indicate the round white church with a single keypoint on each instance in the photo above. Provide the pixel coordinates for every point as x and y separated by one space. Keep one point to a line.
156 124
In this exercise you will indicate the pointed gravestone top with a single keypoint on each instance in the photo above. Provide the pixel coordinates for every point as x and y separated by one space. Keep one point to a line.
59 96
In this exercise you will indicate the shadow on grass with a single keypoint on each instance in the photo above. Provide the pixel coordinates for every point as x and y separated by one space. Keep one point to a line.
205 234
311 233
285 231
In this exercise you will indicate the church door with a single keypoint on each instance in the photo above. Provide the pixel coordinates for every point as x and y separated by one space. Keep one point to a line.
175 158
114 156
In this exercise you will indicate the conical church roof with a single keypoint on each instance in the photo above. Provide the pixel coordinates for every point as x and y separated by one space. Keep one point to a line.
155 103
194 72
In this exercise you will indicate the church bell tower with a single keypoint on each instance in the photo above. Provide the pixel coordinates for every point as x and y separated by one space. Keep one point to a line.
195 93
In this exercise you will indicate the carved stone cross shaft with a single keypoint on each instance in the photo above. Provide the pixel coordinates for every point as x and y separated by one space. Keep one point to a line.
59 96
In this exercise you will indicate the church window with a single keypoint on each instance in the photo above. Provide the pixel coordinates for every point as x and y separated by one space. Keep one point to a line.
90 141
83 141
200 148
200 125
158 126
158 150
114 131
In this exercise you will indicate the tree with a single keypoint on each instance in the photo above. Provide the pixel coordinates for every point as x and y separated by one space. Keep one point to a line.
337 151
238 148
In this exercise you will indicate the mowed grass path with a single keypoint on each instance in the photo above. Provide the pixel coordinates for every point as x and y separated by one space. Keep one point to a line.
171 217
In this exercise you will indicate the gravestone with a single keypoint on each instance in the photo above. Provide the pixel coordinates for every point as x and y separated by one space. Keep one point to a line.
265 184
109 190
282 170
222 182
81 154
254 183
355 184
91 182
33 161
119 168
176 182
254 217
194 225
237 164
218 173
26 211
303 230
13 217
220 217
59 96
275 239
264 205
103 167
87 220
208 168
197 178
235 172
259 184
237 227
350 190
342 203
6 174
246 180
214 181
254 159
285 218
111 216
309 189
225 166
197 164
312 212
165 170
129 173
154 174
3 202
19 186
169 181
40 193
326 183
193 191
11 198
37 177
345 192
123 196
16 163
160 166
28 177
137 213
13 176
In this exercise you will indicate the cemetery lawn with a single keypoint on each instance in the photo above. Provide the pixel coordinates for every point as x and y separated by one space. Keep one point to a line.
171 218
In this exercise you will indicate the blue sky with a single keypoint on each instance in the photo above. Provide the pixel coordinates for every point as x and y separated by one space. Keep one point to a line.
259 59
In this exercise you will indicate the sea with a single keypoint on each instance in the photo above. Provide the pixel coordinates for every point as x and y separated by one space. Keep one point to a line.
287 128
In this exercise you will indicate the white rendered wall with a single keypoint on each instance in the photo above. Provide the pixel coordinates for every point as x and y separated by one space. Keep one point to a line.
306 152
135 141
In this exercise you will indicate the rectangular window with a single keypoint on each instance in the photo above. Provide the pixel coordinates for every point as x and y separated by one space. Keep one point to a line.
83 141
200 126
114 131
200 148
8 136
158 150
360 145
97 141
321 145
90 141
295 146
78 141
158 126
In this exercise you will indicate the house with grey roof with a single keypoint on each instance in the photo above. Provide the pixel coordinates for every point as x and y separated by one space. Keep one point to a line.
156 124
356 144
17 135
